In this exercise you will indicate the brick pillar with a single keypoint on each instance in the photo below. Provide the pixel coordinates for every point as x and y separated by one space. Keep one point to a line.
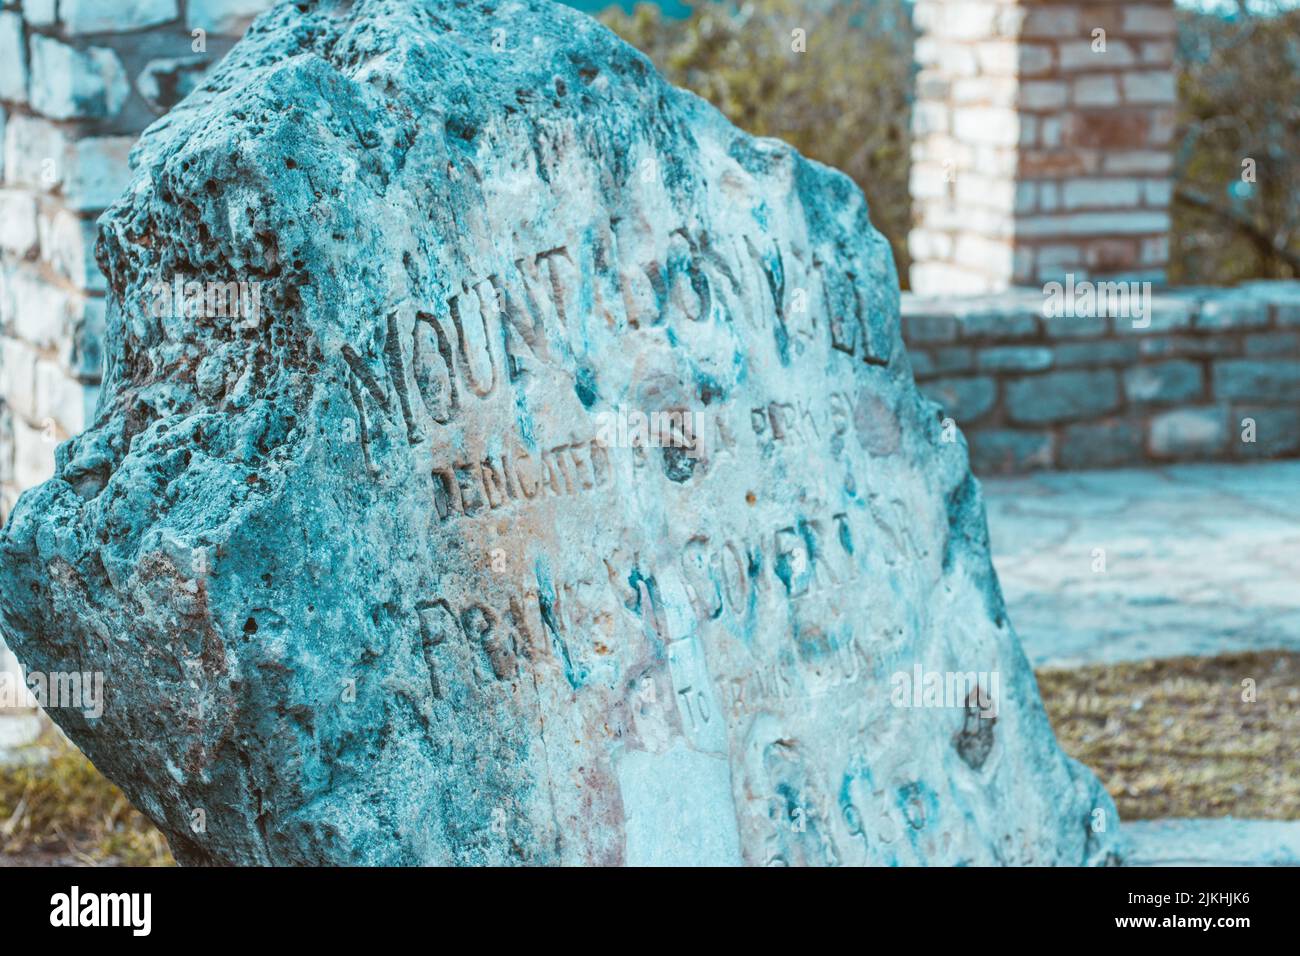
1042 132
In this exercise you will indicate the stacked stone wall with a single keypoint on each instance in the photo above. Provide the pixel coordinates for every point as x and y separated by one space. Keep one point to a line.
1203 375
79 81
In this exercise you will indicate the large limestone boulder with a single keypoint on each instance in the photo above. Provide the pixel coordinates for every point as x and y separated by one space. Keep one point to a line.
558 493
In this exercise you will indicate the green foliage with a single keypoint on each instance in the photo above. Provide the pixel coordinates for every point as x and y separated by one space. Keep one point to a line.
844 102
1239 99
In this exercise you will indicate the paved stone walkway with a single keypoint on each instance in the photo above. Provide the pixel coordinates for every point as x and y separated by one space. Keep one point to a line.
1220 842
1199 560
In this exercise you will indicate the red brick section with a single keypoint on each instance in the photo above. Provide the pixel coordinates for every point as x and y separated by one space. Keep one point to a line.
1042 142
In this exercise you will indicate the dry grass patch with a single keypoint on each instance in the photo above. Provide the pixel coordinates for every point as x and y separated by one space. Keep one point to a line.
64 811
1177 738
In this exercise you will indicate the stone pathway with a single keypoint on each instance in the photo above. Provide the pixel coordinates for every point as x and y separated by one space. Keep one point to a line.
1221 842
1199 559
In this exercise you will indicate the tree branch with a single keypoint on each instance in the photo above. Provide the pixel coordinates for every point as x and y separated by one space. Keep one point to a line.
1266 244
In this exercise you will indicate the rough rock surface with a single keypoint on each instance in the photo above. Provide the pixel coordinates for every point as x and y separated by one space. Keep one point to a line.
380 576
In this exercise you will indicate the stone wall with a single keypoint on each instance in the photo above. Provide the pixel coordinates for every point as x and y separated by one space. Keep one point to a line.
1041 142
1094 391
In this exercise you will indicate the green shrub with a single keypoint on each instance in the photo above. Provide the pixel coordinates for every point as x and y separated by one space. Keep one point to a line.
1239 99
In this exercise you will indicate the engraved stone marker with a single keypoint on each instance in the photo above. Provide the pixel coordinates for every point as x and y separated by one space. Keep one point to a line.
504 459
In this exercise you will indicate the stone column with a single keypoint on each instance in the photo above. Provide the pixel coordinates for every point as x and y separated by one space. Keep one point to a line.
1042 135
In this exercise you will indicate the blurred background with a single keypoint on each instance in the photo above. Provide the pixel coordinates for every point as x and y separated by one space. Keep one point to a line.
848 104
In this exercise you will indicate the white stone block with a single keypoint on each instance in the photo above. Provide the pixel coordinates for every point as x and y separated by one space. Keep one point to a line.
1028 129
1138 161
92 172
34 310
961 20
224 17
1049 196
997 162
1100 193
1146 20
18 234
1157 53
68 245
1035 59
982 220
1095 91
953 59
984 255
67 83
930 117
1059 256
13 58
61 399
1052 131
1026 196
1155 87
988 90
1136 222
928 181
928 244
35 152
938 278
40 13
33 453
1043 94
1157 192
988 125
18 376
998 57
1051 23
114 16
81 349
6 458
98 172
996 193
1076 55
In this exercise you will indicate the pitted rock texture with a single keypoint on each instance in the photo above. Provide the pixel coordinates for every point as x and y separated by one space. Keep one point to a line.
383 574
